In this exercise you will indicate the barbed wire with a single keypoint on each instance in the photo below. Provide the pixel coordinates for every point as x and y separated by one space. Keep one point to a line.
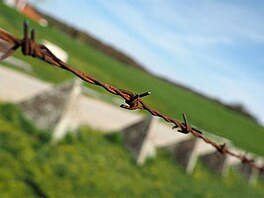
132 101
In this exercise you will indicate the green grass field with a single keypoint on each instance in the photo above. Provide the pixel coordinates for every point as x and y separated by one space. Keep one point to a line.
91 165
166 98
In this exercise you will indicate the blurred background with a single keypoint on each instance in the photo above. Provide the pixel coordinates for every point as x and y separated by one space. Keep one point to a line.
204 59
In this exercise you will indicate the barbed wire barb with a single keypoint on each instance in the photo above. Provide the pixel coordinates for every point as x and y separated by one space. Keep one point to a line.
132 101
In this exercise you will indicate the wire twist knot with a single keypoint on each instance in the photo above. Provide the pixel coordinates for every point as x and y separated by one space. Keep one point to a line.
133 102
222 148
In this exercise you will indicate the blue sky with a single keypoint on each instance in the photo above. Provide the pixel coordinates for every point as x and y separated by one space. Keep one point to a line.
214 47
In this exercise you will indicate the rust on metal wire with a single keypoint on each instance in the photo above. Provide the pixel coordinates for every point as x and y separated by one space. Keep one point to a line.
132 101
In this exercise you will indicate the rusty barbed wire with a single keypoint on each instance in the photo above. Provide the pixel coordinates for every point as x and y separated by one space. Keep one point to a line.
132 101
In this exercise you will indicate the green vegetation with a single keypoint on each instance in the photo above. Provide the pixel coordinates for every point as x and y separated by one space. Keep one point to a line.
92 165
166 98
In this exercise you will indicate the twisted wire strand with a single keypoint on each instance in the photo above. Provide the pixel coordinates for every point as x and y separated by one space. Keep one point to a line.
132 101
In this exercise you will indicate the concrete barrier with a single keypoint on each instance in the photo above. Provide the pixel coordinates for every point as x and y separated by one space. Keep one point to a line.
137 138
55 109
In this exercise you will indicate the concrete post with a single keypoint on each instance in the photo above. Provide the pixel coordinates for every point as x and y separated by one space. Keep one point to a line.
55 109
137 139
215 161
183 152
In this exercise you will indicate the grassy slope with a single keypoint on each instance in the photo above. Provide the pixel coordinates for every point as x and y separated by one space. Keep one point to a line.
89 165
165 97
